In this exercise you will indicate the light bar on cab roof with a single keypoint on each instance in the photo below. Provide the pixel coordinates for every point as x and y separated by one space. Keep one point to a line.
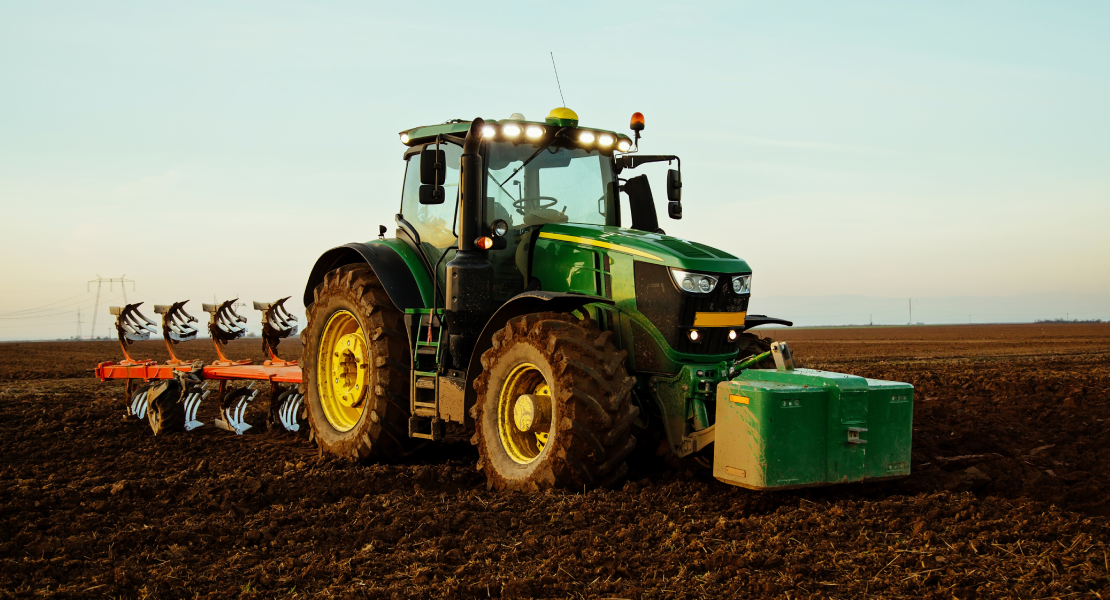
513 130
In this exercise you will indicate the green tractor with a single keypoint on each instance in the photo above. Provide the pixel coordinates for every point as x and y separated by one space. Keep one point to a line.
515 309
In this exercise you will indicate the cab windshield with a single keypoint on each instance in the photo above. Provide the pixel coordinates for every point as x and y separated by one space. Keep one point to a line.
558 185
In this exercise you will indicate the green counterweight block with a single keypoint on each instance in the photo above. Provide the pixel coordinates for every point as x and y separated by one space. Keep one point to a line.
799 428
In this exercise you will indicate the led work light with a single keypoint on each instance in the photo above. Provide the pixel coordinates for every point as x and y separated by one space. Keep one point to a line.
742 284
695 283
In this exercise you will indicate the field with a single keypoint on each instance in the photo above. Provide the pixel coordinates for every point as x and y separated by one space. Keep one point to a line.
1009 496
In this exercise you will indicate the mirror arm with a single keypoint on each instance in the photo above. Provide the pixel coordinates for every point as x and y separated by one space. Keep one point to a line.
634 160
439 166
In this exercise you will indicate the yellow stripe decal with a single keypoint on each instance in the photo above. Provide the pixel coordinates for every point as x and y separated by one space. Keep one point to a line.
719 319
599 244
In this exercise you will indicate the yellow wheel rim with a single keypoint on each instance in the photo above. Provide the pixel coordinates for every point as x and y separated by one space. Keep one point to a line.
342 371
523 447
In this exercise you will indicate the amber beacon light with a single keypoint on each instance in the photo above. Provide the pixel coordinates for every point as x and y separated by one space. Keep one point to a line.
637 125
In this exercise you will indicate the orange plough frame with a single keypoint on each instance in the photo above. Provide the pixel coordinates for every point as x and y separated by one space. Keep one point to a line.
141 375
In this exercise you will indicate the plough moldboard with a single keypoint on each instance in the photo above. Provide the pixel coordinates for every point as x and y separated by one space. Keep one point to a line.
169 394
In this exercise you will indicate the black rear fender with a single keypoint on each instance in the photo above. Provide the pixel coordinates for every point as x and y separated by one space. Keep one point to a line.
390 268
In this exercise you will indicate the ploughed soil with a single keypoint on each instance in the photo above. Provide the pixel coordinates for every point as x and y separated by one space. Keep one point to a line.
1008 496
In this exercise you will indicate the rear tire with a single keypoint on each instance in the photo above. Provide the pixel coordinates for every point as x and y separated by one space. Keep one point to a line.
573 368
364 415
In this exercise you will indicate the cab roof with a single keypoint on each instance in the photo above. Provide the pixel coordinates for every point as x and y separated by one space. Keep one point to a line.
560 118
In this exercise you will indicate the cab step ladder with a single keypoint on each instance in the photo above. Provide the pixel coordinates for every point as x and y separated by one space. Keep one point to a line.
425 336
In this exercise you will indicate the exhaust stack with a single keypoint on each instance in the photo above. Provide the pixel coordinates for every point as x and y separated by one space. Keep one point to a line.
469 273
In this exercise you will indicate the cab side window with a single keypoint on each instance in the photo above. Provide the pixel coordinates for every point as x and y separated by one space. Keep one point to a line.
433 222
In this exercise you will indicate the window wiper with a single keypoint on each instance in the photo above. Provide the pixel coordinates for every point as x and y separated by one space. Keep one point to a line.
531 158
502 188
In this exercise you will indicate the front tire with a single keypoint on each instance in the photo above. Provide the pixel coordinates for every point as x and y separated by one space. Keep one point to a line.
554 406
355 367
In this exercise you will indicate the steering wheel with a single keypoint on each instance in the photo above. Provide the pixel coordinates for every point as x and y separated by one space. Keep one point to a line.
542 202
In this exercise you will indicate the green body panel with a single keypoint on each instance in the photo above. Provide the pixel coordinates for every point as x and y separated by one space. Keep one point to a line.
412 261
785 429
667 250
570 266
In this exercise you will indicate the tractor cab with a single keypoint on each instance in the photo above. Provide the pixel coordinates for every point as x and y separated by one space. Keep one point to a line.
536 174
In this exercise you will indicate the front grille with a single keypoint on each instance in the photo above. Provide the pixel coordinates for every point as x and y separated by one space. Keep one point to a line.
672 311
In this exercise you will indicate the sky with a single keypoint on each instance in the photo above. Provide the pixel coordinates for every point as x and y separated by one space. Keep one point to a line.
872 150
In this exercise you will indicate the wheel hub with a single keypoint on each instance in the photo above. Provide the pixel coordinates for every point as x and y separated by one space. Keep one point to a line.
524 413
348 369
343 373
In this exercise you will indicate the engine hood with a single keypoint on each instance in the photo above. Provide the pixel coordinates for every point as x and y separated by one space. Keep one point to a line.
650 247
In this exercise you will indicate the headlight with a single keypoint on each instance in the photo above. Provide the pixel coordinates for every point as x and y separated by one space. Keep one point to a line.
742 284
695 283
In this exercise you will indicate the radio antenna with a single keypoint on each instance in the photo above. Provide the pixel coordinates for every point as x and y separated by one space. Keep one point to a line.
557 79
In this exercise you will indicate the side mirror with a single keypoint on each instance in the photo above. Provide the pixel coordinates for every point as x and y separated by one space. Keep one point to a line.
674 185
431 194
674 210
433 173
674 194
433 166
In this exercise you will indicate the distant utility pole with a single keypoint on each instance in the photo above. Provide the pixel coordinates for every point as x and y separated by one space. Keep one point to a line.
78 323
911 311
100 281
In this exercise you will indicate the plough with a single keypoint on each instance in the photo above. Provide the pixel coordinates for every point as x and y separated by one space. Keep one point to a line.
169 395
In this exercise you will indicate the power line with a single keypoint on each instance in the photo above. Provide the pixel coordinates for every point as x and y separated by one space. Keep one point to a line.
45 306
99 283
64 311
